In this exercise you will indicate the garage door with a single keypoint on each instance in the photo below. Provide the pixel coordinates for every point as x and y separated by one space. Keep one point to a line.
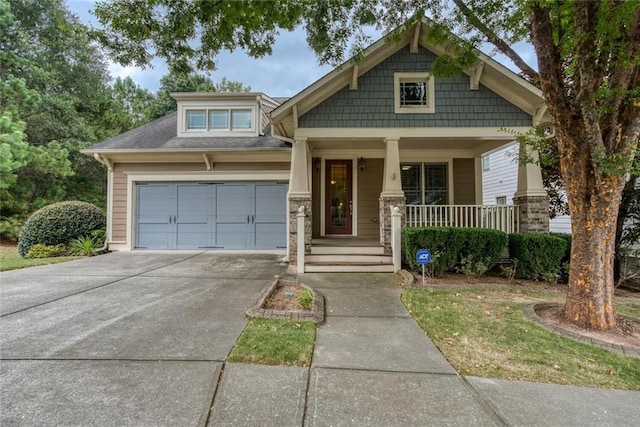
238 215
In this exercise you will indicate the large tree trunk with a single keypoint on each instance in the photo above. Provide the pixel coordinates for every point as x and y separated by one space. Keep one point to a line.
589 302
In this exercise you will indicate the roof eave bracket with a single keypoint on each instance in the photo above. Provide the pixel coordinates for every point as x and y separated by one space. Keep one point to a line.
207 161
476 74
104 160
354 78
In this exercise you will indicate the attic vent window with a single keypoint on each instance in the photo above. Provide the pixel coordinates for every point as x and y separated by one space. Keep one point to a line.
414 93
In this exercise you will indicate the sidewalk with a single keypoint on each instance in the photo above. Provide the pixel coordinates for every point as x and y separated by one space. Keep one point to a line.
374 366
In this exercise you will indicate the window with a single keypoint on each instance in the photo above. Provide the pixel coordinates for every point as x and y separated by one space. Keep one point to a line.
425 183
220 119
501 200
196 120
414 93
485 163
241 119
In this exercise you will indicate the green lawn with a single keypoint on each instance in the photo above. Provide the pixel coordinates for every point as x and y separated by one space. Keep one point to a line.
275 342
484 333
10 260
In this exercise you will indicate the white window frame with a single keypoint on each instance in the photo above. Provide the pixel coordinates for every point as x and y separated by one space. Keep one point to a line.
501 198
414 77
229 130
449 178
486 163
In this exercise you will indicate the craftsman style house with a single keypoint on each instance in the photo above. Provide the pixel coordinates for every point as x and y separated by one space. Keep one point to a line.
327 167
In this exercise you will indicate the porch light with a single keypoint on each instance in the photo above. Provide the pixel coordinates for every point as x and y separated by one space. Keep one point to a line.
361 164
317 163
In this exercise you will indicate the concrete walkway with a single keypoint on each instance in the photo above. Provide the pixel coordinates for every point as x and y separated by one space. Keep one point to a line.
140 339
374 366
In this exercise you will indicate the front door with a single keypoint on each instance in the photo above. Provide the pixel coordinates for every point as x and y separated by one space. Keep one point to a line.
339 203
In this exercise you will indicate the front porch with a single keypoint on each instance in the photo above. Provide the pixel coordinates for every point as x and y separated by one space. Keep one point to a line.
345 197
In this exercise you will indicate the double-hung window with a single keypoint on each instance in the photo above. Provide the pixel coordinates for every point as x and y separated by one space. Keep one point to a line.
425 183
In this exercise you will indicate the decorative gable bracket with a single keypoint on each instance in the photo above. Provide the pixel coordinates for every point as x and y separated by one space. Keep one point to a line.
476 73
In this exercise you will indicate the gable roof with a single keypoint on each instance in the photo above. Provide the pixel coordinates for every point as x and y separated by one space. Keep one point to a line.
493 75
162 135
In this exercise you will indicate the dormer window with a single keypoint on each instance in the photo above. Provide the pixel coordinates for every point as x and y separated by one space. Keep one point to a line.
227 119
414 93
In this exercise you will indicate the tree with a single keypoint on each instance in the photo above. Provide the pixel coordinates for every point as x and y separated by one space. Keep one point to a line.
588 69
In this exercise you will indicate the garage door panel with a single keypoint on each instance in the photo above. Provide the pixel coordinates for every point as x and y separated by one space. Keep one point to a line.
232 236
269 204
232 203
270 236
154 236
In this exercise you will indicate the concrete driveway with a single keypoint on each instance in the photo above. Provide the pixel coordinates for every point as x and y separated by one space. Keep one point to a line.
125 338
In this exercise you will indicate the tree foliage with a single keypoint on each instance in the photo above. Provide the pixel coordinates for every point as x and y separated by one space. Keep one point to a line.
56 98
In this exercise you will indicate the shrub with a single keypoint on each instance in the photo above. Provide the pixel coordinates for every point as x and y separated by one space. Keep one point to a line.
305 299
564 270
82 246
452 245
60 223
537 254
45 251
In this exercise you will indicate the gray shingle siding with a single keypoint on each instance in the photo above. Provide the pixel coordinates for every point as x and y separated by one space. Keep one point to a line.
372 104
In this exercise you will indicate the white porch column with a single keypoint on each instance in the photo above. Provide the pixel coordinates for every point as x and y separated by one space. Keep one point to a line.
299 174
299 196
531 195
392 183
392 194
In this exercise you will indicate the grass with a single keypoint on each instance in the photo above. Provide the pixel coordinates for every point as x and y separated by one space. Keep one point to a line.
275 342
10 260
484 333
629 309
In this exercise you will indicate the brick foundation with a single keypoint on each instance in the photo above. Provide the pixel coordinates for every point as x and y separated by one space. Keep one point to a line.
385 219
534 213
294 205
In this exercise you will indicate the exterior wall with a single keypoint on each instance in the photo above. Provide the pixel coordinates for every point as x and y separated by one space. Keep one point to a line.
369 188
464 182
501 181
372 105
119 210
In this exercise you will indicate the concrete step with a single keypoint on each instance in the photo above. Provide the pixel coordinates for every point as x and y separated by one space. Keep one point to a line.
347 250
348 268
348 259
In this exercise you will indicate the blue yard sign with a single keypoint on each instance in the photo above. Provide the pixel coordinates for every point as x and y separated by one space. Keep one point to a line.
423 256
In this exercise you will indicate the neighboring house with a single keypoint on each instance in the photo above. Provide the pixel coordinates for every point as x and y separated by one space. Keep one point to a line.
499 181
234 171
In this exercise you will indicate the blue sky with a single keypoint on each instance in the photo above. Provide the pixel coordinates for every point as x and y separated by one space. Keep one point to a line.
290 68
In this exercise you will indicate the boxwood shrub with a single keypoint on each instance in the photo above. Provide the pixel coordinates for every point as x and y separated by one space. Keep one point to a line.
60 223
536 254
449 245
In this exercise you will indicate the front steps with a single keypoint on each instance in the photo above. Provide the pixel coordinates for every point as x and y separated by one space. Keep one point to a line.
348 259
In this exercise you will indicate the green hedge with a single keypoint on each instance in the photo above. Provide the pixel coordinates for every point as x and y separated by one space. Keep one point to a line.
450 245
60 223
537 254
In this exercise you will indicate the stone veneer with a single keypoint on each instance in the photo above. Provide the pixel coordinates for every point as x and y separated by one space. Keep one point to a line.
294 205
534 213
385 219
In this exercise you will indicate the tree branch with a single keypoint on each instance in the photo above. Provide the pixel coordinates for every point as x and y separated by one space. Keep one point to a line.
498 42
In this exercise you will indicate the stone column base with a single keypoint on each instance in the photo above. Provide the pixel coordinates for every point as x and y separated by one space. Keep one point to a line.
385 219
534 213
294 205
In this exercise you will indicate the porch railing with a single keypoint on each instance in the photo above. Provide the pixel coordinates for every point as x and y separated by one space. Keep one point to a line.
497 217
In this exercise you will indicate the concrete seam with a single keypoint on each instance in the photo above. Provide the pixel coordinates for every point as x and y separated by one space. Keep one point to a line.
488 407
99 286
216 391
388 371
